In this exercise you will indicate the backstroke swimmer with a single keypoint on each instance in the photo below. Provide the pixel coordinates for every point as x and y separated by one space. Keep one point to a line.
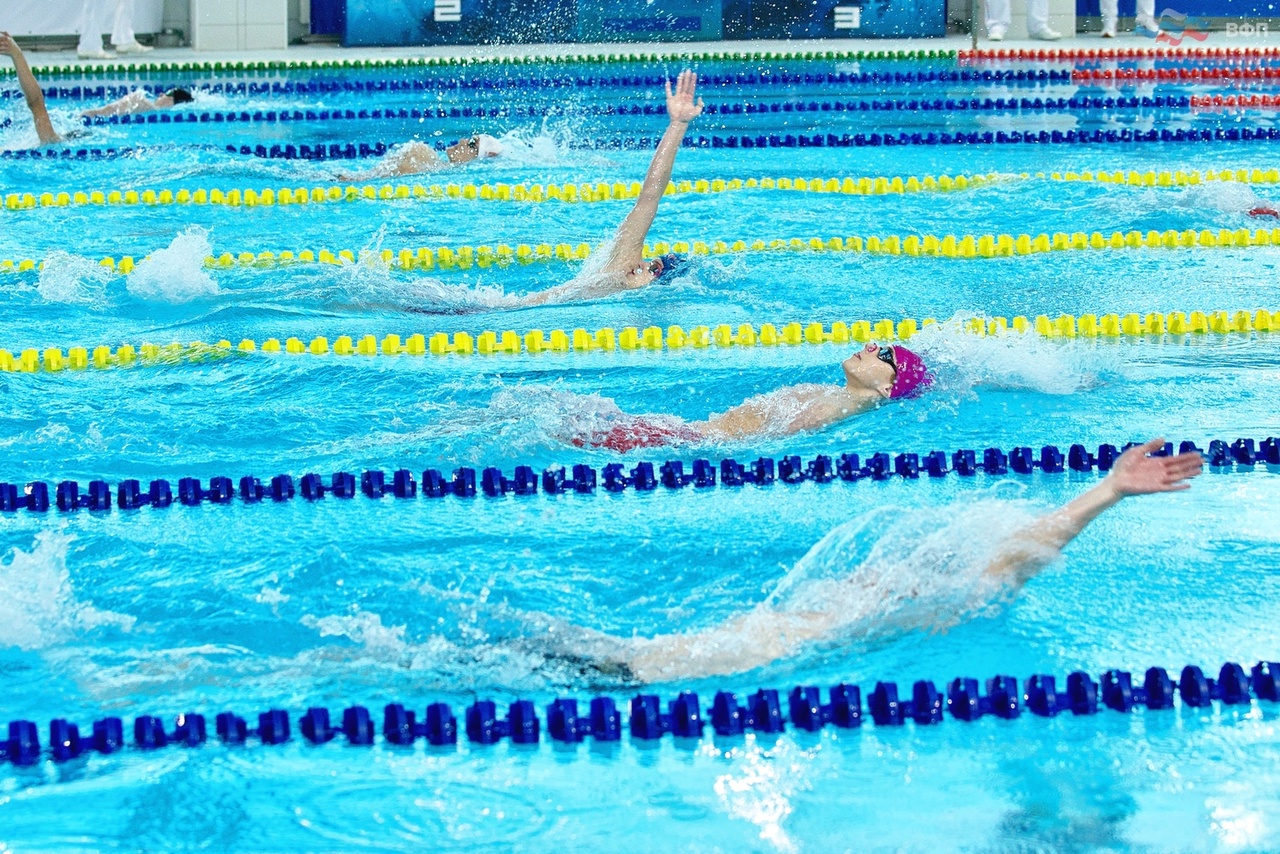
415 157
626 268
767 633
873 374
135 102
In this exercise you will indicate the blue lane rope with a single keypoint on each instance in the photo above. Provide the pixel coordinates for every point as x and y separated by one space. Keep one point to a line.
684 717
455 82
615 477
948 105
350 151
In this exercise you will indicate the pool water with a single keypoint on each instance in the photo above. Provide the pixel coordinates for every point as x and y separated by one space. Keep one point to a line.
333 603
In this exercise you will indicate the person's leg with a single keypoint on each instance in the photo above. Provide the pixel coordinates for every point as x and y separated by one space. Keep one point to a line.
999 16
1038 21
92 25
1146 16
1110 12
122 35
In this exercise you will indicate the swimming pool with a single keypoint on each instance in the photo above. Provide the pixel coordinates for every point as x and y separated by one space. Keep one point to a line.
332 603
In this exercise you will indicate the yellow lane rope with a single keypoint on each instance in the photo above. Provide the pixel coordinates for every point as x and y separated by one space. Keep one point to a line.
911 245
599 191
608 339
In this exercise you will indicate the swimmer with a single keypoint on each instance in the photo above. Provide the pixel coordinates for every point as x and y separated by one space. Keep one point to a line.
1263 210
135 102
626 268
767 633
30 90
414 157
138 102
873 374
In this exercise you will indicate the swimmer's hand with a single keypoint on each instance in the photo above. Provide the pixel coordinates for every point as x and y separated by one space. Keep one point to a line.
1135 473
680 104
8 46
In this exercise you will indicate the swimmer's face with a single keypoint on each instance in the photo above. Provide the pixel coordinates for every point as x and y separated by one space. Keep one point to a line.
871 368
464 150
651 269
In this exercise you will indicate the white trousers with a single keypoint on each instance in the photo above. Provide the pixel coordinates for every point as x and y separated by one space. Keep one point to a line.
1146 14
1000 14
96 17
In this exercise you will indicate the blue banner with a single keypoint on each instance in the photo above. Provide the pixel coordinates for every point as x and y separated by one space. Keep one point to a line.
442 22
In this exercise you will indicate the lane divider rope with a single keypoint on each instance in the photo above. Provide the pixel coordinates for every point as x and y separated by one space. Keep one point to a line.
968 246
652 338
765 712
1127 136
492 482
599 191
1111 54
450 83
1038 105
614 56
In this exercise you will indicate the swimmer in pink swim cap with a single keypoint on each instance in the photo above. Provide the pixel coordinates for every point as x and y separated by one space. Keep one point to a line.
873 374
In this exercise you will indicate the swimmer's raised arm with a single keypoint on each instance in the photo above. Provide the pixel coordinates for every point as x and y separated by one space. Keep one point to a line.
628 246
1134 473
30 89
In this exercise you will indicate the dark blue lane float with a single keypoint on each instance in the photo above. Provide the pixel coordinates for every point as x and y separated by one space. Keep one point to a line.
766 711
454 81
918 104
492 482
348 151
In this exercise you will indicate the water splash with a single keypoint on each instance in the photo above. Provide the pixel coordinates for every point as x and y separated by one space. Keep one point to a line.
73 280
959 361
900 569
38 604
1229 196
175 274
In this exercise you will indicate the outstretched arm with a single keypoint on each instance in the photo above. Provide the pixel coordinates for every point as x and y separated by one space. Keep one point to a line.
628 247
30 89
1134 473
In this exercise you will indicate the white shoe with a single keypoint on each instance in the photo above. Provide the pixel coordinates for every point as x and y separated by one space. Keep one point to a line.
996 34
1046 35
1109 32
133 47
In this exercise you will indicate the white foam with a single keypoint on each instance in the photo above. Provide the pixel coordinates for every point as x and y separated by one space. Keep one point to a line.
369 282
38 604
959 360
899 569
1230 196
73 279
175 274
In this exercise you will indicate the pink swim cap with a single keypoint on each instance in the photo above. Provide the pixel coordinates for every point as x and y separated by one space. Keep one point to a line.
912 374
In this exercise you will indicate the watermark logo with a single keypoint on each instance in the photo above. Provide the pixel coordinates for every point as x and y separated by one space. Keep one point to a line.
1175 27
1245 28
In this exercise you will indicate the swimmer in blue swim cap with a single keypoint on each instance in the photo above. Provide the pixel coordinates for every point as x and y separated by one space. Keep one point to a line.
626 267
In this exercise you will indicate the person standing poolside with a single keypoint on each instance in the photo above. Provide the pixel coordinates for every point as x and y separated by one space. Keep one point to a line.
93 23
873 374
1144 22
414 157
1000 15
626 267
769 633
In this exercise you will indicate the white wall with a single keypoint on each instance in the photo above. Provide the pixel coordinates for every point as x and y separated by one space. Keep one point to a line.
62 17
239 24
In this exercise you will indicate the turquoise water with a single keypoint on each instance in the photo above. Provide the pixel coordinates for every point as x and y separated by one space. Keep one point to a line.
335 603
